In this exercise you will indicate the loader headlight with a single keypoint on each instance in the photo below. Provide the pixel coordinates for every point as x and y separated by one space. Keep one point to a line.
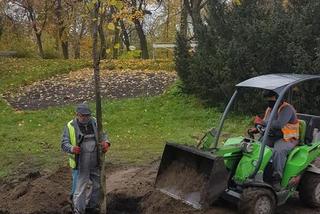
246 147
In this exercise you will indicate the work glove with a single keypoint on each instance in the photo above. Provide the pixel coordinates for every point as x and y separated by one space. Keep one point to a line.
258 121
105 146
75 150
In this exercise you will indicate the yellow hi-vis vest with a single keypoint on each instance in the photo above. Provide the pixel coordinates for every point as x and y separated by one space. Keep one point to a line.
291 130
73 140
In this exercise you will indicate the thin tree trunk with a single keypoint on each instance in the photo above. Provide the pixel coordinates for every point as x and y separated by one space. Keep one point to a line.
65 49
56 42
143 40
39 43
115 51
194 9
184 19
125 36
1 26
77 50
38 33
78 39
103 42
96 69
61 30
167 26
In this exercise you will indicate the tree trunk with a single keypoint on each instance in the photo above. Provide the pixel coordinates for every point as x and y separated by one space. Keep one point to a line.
184 19
61 30
125 36
65 49
56 42
1 26
115 50
143 40
77 50
39 43
167 26
77 39
96 69
194 10
103 42
38 33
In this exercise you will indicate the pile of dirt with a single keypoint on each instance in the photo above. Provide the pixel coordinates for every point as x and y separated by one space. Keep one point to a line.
39 194
78 86
130 190
184 181
137 195
181 176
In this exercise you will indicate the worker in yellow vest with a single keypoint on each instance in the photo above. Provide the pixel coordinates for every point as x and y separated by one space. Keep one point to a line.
283 136
79 140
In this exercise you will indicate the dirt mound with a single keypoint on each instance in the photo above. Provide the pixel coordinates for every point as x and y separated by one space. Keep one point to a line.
182 177
44 194
137 195
78 86
184 182
130 190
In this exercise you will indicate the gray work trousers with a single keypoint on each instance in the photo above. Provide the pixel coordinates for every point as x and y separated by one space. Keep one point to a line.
88 172
280 152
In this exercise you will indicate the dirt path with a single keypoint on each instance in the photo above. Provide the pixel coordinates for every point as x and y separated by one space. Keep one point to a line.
78 86
129 191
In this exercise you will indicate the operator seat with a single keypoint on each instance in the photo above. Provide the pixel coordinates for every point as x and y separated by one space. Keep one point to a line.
302 132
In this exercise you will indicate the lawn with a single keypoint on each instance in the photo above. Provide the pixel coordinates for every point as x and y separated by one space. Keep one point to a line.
138 128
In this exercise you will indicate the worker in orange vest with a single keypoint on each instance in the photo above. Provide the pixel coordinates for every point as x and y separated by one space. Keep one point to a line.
283 136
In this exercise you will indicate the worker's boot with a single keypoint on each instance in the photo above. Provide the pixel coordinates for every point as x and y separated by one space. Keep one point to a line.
92 211
70 202
276 182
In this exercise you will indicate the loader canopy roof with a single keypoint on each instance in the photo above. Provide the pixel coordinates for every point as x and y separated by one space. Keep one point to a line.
275 82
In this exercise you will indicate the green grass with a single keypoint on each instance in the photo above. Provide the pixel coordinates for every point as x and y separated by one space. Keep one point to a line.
135 64
16 72
138 128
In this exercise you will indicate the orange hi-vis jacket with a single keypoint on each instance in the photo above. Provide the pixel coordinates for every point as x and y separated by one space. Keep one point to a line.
290 130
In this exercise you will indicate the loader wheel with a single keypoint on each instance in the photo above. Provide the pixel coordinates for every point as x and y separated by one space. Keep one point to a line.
309 189
256 200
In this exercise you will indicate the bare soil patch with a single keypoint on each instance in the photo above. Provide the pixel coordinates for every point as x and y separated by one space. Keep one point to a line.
78 86
130 189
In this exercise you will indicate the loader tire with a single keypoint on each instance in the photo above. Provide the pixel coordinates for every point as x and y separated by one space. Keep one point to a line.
309 189
255 200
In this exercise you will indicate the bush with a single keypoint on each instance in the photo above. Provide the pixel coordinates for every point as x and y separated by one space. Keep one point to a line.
135 54
24 47
250 38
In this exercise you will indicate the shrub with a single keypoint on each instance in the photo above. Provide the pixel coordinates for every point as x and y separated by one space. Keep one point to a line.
134 54
250 38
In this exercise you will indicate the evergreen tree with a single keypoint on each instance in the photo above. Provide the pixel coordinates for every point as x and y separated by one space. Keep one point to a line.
246 38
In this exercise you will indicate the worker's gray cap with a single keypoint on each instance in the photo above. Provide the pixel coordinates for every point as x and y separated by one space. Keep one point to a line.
83 108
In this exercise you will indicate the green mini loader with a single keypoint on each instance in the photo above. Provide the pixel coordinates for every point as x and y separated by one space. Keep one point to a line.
240 169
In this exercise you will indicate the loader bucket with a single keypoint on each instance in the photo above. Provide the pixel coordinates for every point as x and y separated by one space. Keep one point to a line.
191 175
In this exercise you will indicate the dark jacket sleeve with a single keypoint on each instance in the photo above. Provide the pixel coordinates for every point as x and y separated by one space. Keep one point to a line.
65 141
